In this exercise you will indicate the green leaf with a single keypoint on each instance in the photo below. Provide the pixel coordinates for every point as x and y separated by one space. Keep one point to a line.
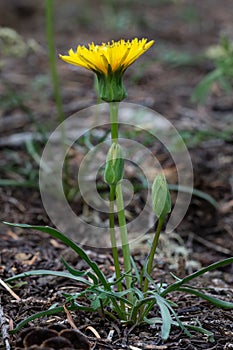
137 274
153 320
166 317
179 323
178 284
76 272
72 270
67 241
51 311
195 192
49 273
20 183
201 330
215 301
225 84
202 90
136 315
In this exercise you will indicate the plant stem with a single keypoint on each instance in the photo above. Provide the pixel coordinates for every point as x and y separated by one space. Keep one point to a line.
124 237
152 253
56 85
114 107
52 59
113 236
114 243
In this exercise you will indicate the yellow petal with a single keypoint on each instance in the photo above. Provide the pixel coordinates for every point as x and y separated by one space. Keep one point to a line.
117 55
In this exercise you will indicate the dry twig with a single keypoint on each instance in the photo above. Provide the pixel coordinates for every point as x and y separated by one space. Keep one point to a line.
4 328
9 290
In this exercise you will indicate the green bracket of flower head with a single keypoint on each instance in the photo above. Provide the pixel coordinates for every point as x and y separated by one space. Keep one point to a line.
111 87
114 169
161 196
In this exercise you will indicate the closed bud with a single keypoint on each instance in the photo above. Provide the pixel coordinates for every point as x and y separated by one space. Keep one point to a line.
114 168
161 196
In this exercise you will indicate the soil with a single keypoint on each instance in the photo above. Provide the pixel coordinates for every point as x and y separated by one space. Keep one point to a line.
161 80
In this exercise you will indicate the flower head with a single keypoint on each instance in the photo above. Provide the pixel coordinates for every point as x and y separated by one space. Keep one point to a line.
108 58
109 61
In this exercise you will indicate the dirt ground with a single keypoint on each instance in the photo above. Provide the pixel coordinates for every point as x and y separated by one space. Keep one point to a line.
162 80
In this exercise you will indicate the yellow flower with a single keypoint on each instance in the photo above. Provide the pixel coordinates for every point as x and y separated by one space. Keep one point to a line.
110 57
109 62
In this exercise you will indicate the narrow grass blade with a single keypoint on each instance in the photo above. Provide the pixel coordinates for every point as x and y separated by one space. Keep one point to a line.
178 284
179 323
195 192
76 272
15 183
136 315
166 317
202 90
51 311
201 330
54 233
215 301
136 272
31 149
49 273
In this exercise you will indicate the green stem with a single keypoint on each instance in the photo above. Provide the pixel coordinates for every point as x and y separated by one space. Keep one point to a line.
114 136
56 85
52 59
124 238
114 244
152 253
113 236
114 107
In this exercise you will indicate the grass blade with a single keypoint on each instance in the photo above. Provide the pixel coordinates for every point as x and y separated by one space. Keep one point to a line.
215 301
49 273
136 272
201 330
166 317
195 192
76 272
51 311
20 183
56 234
178 284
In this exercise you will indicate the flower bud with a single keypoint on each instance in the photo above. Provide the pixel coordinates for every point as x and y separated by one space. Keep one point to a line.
161 196
114 168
